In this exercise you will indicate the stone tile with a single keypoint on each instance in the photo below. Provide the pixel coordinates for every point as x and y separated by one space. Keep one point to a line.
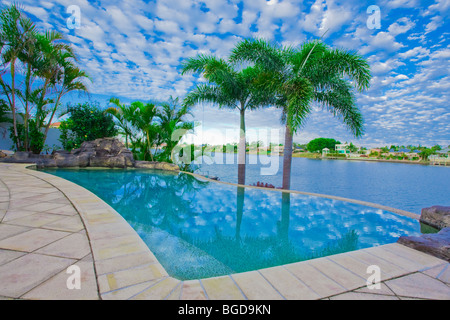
124 262
425 260
362 296
191 290
418 285
395 259
7 230
8 255
112 252
74 246
445 275
23 274
128 292
43 206
343 276
63 209
158 291
56 287
383 290
176 293
255 286
13 214
317 281
31 240
120 279
69 224
222 288
388 269
288 285
36 220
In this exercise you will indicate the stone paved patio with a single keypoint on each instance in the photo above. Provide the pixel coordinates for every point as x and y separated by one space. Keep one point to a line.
48 224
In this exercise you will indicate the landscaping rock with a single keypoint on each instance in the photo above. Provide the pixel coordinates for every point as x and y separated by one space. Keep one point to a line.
437 244
436 216
21 155
156 165
2 154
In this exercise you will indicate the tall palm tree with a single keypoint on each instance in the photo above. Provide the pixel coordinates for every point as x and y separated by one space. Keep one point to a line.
312 73
69 78
228 87
15 35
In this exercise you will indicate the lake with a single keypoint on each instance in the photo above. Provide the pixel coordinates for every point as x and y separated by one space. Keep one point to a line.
409 187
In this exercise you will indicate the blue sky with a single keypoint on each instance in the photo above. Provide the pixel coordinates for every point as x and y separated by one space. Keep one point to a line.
133 50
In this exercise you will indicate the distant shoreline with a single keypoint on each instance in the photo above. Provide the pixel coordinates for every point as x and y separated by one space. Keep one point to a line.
315 157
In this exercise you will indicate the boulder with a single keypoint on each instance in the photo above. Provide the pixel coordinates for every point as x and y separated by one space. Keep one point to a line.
436 216
437 244
2 154
156 165
21 155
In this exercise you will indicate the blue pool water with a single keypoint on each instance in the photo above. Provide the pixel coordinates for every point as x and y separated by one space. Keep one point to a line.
409 187
200 229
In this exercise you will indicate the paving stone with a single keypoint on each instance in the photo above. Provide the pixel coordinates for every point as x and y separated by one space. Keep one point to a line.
120 279
74 246
56 287
9 255
128 292
343 276
289 286
322 285
36 220
158 291
31 240
191 290
418 285
362 296
222 288
24 273
255 287
7 230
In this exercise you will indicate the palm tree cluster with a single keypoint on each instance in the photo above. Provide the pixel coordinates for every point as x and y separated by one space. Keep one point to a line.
147 126
294 79
37 70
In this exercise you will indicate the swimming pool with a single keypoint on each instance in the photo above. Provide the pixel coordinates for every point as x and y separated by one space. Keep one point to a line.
199 229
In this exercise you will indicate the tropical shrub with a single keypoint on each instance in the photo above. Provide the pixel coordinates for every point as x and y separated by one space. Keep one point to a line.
86 123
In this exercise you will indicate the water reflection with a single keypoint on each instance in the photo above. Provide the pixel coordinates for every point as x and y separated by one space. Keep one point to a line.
200 229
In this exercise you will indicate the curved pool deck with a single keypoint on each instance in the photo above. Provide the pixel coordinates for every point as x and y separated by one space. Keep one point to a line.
48 224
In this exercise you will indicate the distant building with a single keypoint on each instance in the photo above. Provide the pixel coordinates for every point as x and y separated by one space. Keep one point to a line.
325 151
342 148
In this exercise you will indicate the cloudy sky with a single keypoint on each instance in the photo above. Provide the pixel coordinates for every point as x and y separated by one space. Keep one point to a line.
133 50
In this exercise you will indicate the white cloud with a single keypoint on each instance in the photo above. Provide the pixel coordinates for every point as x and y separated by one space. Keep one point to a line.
402 25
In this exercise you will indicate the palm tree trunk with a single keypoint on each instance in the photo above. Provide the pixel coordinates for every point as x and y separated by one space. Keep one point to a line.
47 128
13 105
242 149
27 97
287 158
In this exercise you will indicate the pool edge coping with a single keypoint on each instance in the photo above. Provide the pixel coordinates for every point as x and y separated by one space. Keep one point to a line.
157 284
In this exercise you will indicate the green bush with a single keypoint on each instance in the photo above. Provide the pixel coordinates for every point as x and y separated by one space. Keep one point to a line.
86 123
35 136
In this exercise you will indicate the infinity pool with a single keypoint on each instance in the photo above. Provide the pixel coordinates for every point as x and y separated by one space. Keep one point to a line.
199 229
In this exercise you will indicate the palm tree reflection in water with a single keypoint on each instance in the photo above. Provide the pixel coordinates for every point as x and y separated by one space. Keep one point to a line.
199 229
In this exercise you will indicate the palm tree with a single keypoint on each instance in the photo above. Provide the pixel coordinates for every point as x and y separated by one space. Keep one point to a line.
69 78
228 87
16 33
301 76
124 115
145 121
172 126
